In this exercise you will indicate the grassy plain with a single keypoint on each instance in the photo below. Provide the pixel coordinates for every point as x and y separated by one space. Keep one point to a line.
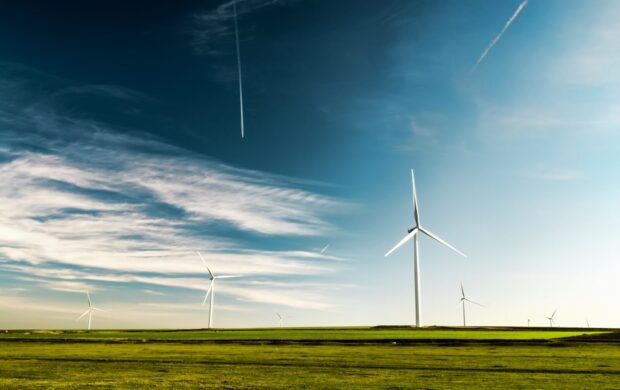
311 358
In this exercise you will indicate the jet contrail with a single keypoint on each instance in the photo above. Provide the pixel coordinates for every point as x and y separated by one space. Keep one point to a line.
239 70
499 36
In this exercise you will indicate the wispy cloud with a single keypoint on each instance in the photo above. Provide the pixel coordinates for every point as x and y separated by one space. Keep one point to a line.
211 26
88 204
553 175
501 33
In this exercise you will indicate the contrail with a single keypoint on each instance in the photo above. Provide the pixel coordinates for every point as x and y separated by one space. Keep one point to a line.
499 36
239 70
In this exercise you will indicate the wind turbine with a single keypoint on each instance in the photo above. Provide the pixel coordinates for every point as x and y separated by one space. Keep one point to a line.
280 319
463 300
412 234
551 321
90 310
211 289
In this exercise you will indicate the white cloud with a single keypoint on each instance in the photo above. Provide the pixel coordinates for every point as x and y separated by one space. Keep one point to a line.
553 174
593 58
89 205
213 25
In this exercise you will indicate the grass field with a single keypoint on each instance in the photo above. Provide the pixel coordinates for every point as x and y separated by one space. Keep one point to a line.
439 358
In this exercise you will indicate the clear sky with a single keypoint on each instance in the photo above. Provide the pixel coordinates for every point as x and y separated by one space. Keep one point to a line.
121 155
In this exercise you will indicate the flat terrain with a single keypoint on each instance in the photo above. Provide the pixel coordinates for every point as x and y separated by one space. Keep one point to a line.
434 358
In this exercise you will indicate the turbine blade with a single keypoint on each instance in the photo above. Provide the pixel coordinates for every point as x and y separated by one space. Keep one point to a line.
207 293
553 315
416 213
462 291
228 276
434 237
88 296
206 266
94 308
324 248
404 240
83 314
475 303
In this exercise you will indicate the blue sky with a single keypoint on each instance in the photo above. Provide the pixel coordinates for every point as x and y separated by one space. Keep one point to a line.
120 155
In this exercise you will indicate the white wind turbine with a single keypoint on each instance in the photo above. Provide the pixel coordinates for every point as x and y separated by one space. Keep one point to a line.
412 234
280 319
463 300
211 289
90 310
551 320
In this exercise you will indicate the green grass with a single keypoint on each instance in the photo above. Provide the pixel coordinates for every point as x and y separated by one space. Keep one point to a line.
30 359
293 334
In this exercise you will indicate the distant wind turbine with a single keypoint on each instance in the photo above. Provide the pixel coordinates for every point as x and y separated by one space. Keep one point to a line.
463 300
413 234
90 310
324 248
281 318
551 320
211 289
528 322
239 70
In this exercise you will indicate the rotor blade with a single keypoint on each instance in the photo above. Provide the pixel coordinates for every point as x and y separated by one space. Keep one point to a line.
475 303
553 315
95 308
324 248
416 213
83 314
228 276
462 291
205 263
434 237
88 296
279 316
207 293
404 240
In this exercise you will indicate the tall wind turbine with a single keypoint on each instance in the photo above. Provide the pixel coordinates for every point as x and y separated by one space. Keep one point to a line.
211 289
412 234
463 300
280 319
90 310
551 320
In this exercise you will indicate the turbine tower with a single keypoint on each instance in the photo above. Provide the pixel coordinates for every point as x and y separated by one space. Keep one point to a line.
412 234
551 320
463 300
90 310
211 289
